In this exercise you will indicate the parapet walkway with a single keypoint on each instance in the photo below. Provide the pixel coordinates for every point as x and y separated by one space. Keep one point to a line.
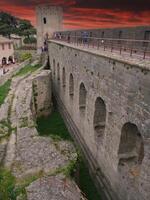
124 57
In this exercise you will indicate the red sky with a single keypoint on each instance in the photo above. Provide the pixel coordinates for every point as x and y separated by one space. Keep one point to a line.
87 13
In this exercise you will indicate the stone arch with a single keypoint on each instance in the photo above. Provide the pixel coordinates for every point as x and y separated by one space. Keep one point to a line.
10 59
63 77
71 86
131 147
82 97
58 72
4 61
99 121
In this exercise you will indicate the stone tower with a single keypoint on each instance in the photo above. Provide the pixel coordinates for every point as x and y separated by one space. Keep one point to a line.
49 19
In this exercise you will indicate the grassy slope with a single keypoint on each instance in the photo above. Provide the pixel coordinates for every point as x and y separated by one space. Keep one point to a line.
4 89
27 69
54 127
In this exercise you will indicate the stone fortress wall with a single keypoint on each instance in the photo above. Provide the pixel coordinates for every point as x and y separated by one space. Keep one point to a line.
106 105
125 35
137 33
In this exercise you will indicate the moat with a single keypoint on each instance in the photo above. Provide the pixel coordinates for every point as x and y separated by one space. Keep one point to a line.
46 156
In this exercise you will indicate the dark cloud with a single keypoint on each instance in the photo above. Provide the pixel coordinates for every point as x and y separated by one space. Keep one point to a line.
87 13
132 5
32 3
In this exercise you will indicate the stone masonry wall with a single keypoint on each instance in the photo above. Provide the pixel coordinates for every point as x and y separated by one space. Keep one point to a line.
108 103
137 33
42 93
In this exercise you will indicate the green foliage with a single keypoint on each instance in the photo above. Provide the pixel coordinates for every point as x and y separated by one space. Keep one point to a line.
7 185
31 40
4 89
28 69
8 24
10 188
25 56
53 126
13 25
5 128
85 181
70 169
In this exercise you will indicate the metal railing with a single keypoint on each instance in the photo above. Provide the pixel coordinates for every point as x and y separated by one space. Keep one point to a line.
133 48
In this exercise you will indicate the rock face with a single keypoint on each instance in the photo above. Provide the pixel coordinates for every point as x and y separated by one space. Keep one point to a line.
54 188
42 93
3 146
34 154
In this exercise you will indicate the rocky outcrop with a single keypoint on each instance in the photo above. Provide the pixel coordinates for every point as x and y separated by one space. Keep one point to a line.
54 187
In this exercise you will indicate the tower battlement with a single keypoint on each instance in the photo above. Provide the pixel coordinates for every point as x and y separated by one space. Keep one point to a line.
49 19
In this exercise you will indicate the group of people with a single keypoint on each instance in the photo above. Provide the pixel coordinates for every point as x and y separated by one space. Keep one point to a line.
44 48
84 36
5 63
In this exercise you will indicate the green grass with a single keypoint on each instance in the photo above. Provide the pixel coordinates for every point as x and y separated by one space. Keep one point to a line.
86 183
7 185
27 69
10 188
4 90
53 126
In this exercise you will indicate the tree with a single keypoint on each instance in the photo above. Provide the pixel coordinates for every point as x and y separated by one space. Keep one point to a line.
12 25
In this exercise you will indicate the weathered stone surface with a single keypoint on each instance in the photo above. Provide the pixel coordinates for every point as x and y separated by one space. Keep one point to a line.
29 154
54 188
4 111
42 93
117 93
35 152
10 150
3 146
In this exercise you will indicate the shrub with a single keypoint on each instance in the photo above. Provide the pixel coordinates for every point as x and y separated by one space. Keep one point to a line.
30 40
7 185
25 56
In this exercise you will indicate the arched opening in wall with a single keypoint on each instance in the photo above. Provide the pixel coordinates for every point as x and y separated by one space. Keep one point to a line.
10 59
63 78
58 72
71 86
82 98
131 149
99 121
54 67
4 61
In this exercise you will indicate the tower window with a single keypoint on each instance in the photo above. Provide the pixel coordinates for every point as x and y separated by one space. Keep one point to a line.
44 20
